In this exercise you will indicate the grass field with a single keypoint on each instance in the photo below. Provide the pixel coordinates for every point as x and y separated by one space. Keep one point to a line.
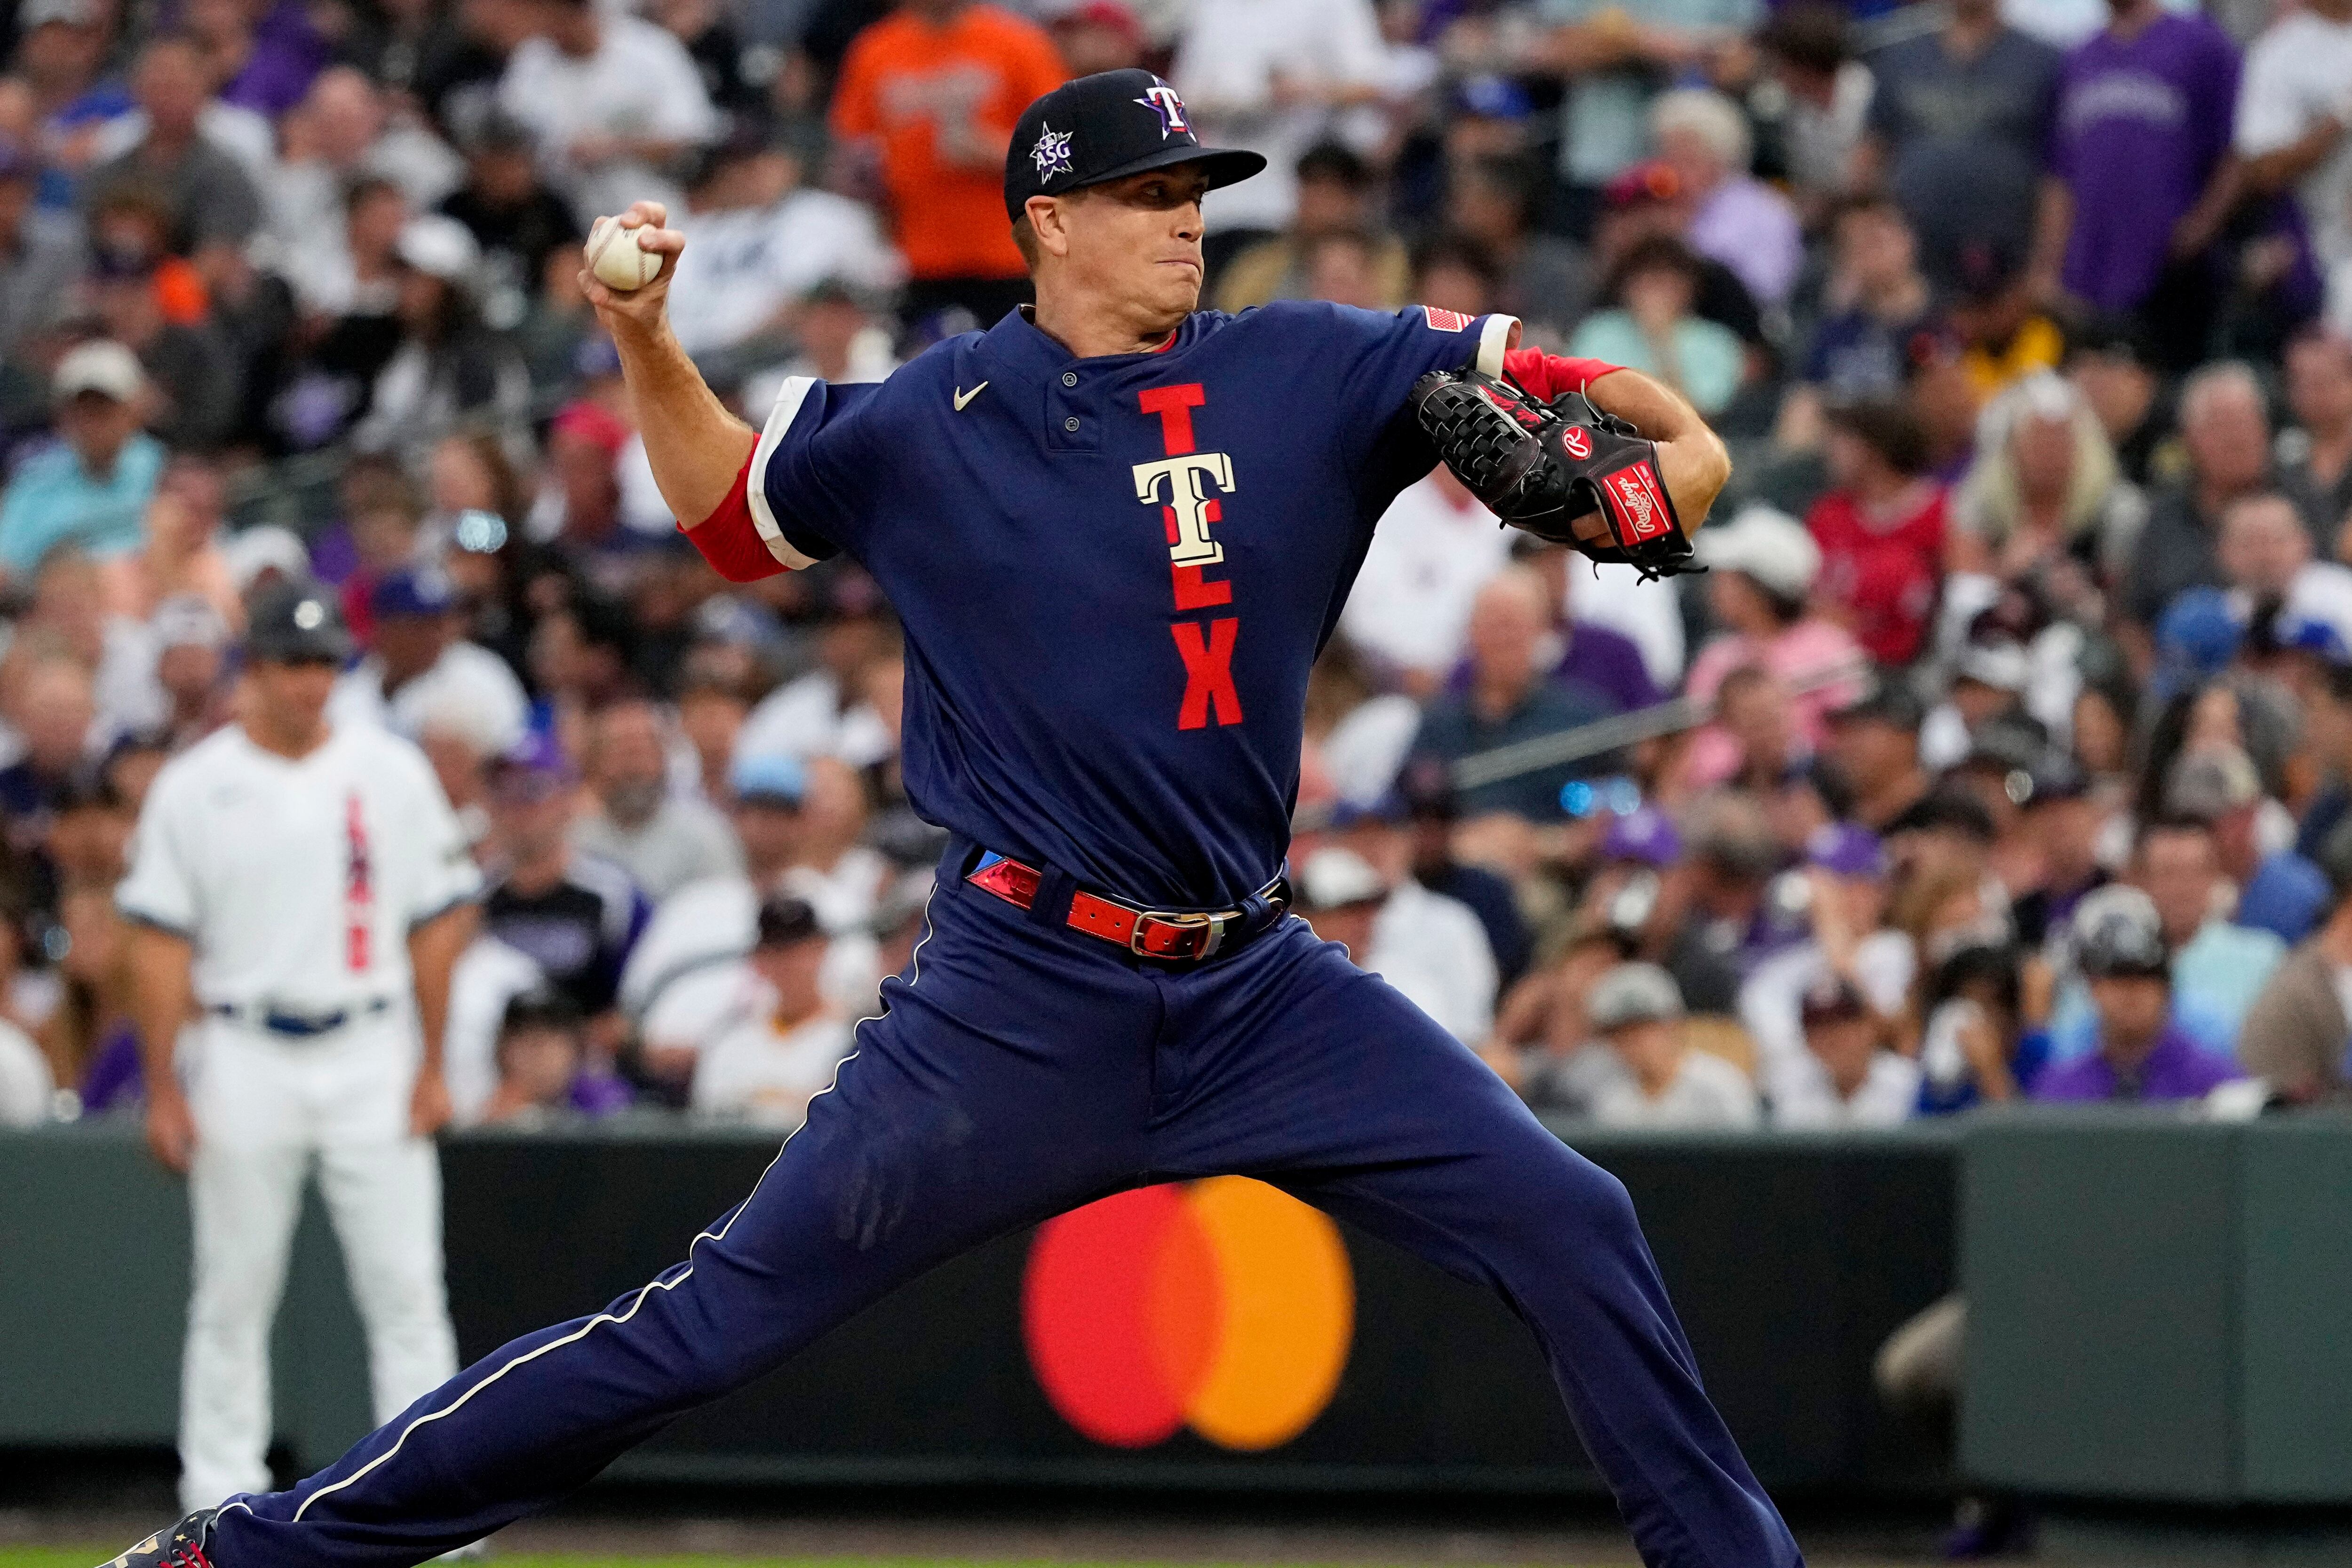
52 1557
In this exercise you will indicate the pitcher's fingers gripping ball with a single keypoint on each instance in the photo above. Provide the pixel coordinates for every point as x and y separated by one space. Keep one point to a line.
1547 467
617 260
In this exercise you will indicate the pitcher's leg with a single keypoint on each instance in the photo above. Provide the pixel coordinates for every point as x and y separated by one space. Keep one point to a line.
949 1127
1557 1236
1350 1097
384 1196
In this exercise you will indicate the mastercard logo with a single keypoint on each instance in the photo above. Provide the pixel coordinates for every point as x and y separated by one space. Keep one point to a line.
1225 1306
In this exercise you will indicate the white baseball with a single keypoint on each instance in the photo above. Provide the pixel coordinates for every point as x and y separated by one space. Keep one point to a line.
616 258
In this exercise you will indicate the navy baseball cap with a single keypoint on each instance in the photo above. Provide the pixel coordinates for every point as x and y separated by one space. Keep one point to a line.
1106 127
413 592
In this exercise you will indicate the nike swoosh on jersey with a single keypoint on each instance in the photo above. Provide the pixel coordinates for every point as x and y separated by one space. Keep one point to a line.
963 397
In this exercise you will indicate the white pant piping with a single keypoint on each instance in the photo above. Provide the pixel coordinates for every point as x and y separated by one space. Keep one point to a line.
916 960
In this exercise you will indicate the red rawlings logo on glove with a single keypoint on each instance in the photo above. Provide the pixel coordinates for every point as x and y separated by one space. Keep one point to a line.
1577 443
1637 503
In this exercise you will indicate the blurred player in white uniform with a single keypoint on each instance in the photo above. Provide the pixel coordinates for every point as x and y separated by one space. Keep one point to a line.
299 892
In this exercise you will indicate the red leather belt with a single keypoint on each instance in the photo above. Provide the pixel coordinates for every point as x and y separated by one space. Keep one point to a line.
1146 933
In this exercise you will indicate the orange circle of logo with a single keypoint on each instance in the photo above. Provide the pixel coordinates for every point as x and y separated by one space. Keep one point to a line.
1225 1306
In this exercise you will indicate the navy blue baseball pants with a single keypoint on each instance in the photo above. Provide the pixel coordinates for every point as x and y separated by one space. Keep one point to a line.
1022 1070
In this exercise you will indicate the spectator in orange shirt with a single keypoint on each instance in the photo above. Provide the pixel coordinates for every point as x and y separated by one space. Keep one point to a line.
930 93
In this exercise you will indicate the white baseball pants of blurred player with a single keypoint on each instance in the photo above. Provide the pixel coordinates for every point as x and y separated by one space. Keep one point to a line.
271 1109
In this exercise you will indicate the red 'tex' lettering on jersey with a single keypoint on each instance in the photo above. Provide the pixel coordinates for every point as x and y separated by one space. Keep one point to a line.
1174 405
1208 657
359 886
1208 672
1194 591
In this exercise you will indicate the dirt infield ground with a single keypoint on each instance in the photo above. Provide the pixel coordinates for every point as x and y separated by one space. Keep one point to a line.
1082 1537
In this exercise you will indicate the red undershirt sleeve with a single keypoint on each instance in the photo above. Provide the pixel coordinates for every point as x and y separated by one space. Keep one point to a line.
730 540
1547 376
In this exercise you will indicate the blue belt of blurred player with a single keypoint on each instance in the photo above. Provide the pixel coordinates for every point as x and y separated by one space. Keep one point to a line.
290 1023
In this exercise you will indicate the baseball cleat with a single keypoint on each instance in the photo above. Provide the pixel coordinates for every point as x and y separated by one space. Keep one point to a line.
182 1546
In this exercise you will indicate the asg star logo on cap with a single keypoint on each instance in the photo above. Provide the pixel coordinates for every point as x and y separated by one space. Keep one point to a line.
1162 99
1052 153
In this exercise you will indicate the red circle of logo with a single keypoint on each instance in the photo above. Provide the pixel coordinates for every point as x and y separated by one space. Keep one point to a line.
1226 1306
1577 443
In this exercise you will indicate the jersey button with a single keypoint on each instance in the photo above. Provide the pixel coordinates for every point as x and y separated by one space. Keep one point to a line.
1071 424
1069 377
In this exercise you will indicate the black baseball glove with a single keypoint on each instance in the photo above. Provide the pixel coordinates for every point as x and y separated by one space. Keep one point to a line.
1546 467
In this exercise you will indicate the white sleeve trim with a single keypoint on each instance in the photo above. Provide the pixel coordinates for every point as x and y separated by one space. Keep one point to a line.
789 398
1495 338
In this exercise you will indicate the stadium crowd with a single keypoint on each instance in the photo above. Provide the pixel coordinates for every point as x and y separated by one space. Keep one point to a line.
2004 750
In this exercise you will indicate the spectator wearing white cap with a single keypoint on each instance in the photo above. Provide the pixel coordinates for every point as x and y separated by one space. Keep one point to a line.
1989 680
261 554
91 488
1762 564
449 367
1637 1009
1428 946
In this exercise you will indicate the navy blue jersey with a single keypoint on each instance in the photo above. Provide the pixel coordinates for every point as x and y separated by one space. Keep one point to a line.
1113 573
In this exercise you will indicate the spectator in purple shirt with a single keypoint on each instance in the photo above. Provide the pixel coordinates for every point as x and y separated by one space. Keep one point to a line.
1593 656
264 56
2140 1053
2142 176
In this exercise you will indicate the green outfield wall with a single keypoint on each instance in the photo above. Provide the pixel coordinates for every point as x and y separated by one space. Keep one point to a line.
2161 1310
1790 1258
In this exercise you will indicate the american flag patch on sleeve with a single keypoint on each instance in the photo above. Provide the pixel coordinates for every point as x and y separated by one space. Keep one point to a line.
1445 321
